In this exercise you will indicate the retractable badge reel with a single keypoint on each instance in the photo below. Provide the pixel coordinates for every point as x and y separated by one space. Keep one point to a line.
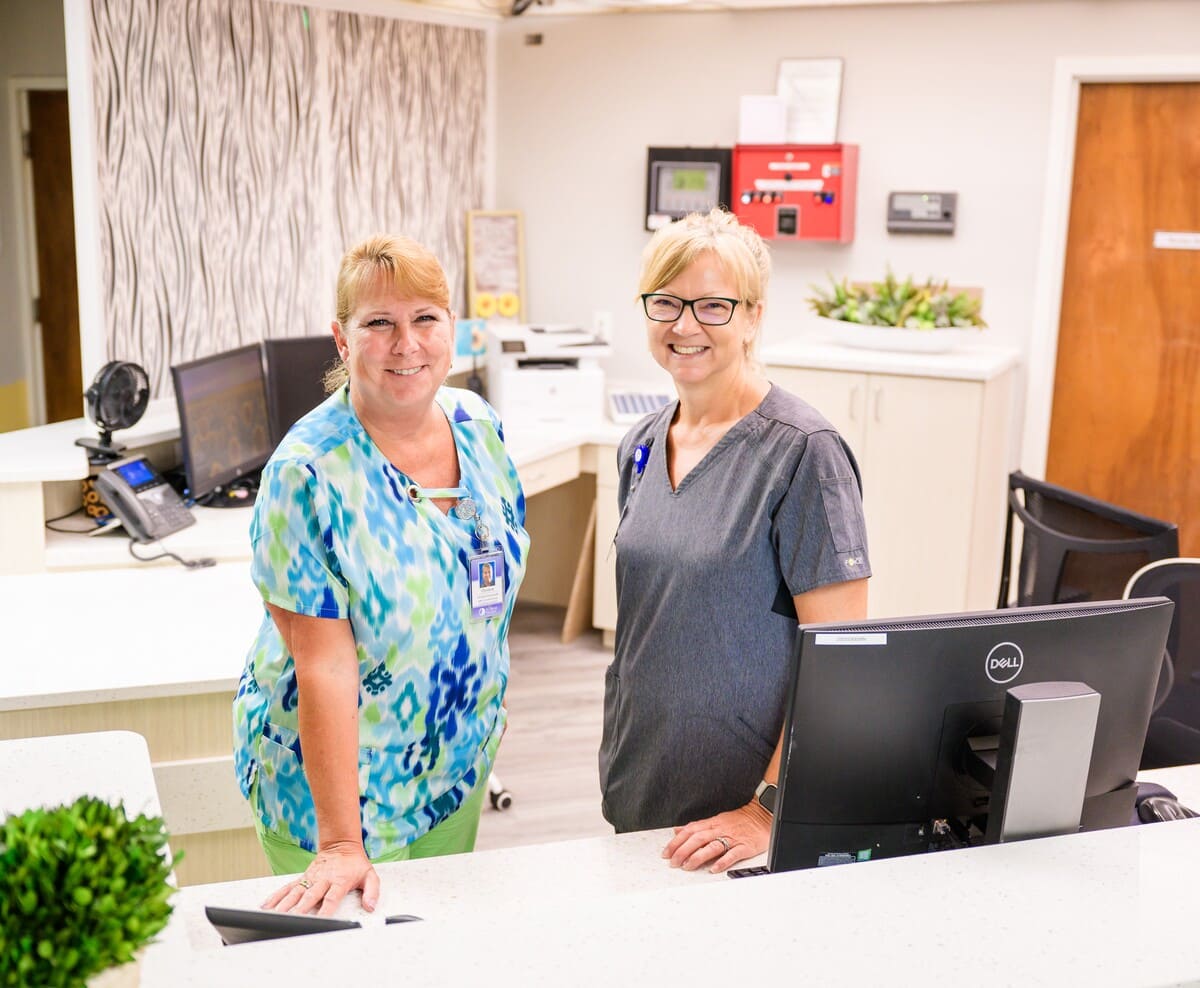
486 566
641 456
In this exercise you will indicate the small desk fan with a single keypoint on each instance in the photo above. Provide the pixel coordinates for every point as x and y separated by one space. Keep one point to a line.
117 399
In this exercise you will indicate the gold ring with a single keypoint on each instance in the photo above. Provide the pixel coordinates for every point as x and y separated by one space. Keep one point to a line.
725 843
304 883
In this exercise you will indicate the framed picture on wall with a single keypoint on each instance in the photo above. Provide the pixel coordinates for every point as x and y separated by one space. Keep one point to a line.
495 264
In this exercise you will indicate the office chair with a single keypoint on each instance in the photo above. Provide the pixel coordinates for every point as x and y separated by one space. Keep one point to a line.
1075 547
1173 737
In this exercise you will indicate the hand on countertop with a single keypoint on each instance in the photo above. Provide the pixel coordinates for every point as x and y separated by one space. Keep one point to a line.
335 871
720 841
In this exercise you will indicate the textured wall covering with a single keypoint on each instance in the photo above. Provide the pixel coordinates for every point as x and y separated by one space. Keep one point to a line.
242 145
406 125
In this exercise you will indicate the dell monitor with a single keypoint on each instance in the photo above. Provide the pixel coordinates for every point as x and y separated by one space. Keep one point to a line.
224 426
296 368
884 716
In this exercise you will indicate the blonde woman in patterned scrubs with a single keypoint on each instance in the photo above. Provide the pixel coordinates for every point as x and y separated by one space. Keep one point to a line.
371 706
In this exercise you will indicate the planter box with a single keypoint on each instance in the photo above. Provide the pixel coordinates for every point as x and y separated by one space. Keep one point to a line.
896 338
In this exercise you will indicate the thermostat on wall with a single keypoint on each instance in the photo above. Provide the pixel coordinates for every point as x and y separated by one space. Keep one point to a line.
922 212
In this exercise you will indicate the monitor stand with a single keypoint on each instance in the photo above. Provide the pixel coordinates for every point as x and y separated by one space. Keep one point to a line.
1038 771
241 493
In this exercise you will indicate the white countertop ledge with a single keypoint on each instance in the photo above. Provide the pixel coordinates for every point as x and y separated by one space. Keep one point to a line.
126 634
974 362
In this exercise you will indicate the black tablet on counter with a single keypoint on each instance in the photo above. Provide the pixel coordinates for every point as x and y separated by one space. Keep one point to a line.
247 925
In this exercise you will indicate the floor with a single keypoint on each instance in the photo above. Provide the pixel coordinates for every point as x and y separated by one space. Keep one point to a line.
547 761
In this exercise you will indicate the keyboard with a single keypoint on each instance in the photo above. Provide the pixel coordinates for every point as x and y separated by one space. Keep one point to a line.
627 407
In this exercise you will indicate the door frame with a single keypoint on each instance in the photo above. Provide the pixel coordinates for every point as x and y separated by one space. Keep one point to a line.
1069 75
26 237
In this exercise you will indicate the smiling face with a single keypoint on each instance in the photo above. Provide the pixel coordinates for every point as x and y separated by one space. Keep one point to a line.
397 349
692 352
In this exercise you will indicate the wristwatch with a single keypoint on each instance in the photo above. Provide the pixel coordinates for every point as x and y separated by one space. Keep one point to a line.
766 794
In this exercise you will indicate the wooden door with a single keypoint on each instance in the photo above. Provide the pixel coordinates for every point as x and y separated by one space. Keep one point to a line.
54 231
1125 425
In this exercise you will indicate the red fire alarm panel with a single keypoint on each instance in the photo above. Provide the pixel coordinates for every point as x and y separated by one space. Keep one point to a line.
796 191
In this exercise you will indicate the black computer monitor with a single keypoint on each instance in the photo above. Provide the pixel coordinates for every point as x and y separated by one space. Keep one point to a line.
876 760
224 426
296 367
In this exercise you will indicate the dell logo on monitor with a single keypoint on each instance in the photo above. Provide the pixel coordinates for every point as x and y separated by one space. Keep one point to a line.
1004 663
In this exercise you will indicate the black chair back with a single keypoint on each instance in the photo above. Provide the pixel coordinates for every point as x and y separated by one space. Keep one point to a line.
1076 547
1174 734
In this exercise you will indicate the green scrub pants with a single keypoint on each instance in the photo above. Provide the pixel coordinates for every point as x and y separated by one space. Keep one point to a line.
454 835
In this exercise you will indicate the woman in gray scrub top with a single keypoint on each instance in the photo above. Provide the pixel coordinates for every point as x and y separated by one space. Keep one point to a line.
741 512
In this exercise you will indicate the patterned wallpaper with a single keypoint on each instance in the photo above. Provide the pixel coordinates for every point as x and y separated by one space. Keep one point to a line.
242 145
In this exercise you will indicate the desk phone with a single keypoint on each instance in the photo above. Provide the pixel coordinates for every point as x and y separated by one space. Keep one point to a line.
628 407
146 504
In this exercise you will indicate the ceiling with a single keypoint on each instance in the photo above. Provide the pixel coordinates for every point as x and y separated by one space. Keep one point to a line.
551 8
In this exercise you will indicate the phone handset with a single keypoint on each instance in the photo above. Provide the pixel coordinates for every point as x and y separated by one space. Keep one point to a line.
146 504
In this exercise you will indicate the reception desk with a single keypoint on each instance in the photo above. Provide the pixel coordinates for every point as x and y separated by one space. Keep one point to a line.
1109 908
158 651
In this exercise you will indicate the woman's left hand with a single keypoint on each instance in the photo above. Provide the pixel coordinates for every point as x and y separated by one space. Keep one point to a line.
721 841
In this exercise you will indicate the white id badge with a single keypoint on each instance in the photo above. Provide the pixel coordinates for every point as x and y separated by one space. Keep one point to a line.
487 584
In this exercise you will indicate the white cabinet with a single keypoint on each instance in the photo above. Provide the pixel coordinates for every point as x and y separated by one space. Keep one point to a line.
932 440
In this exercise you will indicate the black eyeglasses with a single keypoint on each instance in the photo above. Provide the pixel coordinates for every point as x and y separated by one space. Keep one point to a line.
711 311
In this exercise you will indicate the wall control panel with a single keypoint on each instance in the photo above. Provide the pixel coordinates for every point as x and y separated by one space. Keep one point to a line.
922 212
684 180
796 191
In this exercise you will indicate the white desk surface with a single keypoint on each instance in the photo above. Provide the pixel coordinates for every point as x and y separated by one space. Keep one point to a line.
113 765
124 634
1111 908
48 452
973 362
223 533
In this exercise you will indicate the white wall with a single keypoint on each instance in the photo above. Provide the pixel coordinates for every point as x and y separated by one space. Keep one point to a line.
31 45
943 97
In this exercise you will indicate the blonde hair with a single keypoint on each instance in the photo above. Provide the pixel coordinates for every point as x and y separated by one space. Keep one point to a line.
739 248
408 266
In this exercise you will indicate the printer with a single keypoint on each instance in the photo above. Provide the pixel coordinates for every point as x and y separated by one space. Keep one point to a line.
545 373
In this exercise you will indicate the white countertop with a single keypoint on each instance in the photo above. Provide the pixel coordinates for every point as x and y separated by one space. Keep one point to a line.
123 634
112 765
973 362
1109 908
223 533
48 452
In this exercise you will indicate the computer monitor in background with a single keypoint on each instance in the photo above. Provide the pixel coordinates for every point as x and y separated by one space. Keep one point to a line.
224 426
296 369
877 760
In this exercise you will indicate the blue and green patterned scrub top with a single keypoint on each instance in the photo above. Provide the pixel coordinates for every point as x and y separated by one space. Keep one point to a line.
337 533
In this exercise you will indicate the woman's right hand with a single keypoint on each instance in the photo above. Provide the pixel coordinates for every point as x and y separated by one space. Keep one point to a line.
335 870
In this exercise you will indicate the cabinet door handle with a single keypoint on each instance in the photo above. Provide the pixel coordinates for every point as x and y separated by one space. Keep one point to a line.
879 404
854 403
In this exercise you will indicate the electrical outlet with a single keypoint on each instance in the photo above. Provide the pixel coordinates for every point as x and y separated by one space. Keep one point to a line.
602 324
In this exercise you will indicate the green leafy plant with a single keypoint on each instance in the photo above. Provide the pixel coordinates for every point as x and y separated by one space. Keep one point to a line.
82 888
892 302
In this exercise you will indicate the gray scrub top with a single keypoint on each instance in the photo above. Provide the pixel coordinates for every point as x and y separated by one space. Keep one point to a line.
695 697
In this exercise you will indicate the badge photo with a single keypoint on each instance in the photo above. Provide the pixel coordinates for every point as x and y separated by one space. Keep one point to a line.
487 584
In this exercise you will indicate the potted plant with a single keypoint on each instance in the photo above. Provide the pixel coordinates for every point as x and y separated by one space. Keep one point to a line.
84 889
897 308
